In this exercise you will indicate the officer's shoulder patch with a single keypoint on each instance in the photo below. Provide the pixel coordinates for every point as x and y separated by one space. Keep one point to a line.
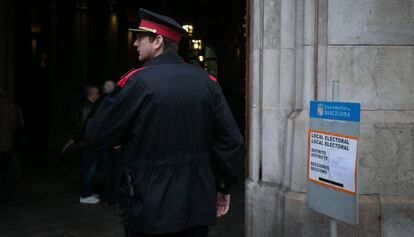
121 83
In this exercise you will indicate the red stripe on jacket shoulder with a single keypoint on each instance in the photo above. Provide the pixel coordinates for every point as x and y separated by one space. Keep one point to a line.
212 78
121 83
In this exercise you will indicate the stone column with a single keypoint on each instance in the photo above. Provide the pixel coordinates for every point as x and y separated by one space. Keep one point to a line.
272 72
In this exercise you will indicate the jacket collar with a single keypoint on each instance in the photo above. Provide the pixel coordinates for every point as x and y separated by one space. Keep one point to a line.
164 59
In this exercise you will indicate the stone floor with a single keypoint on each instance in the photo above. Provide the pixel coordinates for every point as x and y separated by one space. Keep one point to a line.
46 204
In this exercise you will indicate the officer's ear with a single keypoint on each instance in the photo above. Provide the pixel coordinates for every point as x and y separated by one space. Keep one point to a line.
159 42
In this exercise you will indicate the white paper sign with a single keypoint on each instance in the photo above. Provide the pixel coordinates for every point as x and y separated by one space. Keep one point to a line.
332 160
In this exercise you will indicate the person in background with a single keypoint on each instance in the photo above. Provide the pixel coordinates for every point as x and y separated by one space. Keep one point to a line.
108 87
116 153
90 156
12 142
109 159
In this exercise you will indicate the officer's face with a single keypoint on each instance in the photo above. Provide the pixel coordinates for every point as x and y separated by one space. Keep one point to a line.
145 48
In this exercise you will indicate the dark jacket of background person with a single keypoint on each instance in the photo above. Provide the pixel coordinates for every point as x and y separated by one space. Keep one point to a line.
8 125
13 141
83 111
175 126
13 137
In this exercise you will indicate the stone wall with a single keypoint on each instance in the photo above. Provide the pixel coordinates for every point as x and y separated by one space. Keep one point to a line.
297 49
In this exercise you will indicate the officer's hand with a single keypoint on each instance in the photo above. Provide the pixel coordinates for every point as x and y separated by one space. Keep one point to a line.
222 204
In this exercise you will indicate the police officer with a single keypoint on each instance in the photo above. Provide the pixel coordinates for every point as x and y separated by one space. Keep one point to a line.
183 150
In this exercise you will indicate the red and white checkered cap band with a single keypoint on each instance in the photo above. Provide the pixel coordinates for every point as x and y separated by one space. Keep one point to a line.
160 30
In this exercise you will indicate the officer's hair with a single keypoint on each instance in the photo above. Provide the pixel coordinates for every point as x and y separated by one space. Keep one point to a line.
169 45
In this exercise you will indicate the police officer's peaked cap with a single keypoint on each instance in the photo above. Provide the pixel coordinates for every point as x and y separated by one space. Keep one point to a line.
159 24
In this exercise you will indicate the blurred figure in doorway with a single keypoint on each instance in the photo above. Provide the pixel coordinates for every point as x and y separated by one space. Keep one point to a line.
13 141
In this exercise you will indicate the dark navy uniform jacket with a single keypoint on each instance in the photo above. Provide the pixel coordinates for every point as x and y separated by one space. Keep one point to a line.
180 140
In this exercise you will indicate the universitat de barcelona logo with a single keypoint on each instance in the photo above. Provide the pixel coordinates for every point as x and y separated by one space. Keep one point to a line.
320 110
